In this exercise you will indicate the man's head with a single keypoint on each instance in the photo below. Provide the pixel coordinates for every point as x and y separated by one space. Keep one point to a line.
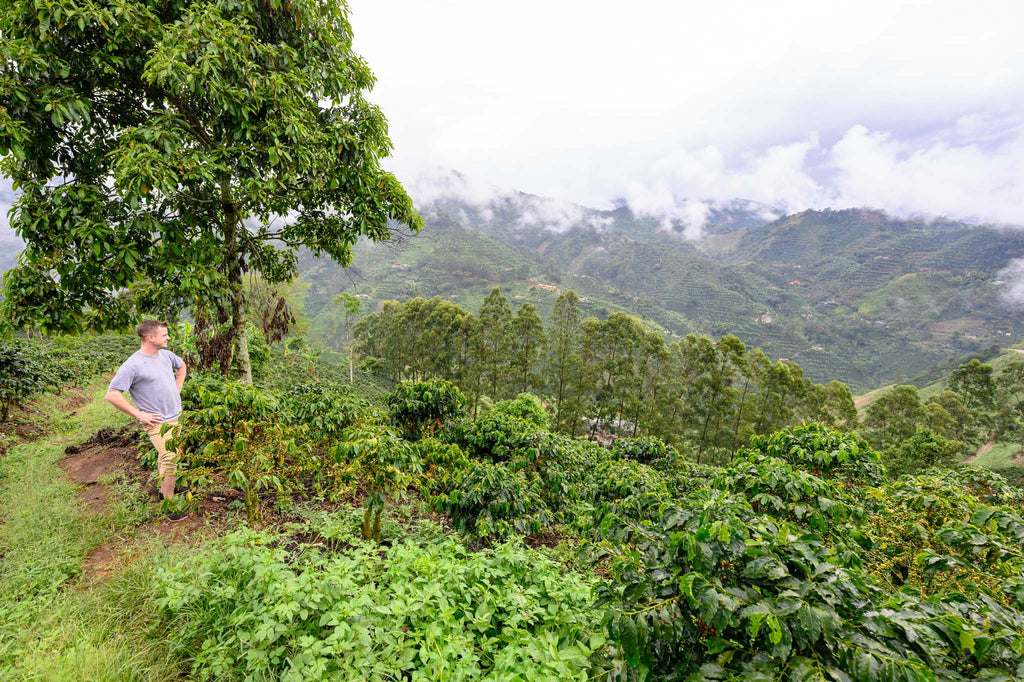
153 332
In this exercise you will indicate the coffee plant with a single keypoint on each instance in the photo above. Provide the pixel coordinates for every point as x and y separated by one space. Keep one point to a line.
238 432
493 501
421 408
327 409
650 450
383 463
525 406
823 452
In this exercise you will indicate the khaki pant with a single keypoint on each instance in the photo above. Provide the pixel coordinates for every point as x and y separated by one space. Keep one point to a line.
165 461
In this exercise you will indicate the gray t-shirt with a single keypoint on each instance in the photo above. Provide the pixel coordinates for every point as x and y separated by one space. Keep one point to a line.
151 382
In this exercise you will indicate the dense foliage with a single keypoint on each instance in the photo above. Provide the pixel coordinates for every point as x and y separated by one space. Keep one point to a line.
799 559
419 408
239 432
154 147
29 367
977 407
694 393
255 610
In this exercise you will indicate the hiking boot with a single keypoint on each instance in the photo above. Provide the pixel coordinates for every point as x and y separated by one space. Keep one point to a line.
175 516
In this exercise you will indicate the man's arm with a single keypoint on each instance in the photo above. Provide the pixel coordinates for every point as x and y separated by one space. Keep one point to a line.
180 376
115 398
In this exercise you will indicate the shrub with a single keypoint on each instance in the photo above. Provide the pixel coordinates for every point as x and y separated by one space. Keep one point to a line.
420 408
200 390
923 450
822 452
439 462
525 406
493 501
383 462
238 431
921 539
988 486
779 489
498 437
25 370
649 450
249 609
617 479
327 409
685 477
708 589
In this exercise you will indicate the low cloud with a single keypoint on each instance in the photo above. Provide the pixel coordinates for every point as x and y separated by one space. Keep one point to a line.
971 171
433 186
1013 275
686 216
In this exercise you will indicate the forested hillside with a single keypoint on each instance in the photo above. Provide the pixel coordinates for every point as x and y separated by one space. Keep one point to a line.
853 295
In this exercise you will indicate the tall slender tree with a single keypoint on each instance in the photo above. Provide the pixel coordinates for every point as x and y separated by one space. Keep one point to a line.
495 343
528 341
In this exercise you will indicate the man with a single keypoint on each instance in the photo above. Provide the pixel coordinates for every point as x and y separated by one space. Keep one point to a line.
153 376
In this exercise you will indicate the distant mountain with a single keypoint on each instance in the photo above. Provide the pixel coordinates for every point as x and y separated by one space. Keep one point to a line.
855 295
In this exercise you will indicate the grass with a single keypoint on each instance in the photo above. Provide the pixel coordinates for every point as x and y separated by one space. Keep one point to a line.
999 456
54 625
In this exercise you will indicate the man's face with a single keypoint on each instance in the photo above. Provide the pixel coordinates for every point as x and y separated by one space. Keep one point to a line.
160 337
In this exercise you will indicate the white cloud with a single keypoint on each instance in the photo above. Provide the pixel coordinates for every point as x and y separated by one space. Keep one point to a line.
1013 274
433 185
940 175
576 100
966 180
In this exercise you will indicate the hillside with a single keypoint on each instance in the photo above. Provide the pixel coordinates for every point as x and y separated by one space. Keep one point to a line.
854 295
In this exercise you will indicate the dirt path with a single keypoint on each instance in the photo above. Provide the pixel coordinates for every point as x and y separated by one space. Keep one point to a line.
981 451
107 452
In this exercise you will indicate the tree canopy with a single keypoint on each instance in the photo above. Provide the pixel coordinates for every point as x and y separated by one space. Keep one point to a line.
162 151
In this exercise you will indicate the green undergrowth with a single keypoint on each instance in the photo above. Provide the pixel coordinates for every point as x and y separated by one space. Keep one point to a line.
263 605
52 624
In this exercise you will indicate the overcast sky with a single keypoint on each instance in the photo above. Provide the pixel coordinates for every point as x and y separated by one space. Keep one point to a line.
915 107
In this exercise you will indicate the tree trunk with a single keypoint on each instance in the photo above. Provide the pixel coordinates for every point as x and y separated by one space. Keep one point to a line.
234 267
244 362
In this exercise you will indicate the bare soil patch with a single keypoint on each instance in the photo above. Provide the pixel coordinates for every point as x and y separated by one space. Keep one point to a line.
72 398
100 561
110 450
105 452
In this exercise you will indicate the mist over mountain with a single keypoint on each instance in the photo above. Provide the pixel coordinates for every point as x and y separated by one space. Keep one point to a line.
854 294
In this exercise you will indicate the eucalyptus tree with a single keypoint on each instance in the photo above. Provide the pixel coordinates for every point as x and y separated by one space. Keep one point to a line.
350 307
894 417
163 150
528 341
1010 414
563 360
976 382
495 344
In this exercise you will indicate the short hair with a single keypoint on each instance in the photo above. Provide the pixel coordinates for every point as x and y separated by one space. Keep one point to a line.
147 327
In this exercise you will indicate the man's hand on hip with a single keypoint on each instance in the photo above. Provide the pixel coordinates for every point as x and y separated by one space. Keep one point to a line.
150 419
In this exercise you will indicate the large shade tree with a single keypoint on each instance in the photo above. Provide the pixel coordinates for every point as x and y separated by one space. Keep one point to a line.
162 150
